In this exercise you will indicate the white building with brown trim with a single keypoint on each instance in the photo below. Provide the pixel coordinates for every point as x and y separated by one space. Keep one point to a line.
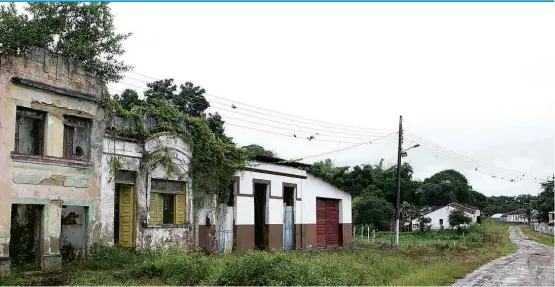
279 205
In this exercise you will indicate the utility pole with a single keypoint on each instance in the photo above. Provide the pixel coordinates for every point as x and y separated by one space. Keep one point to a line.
397 207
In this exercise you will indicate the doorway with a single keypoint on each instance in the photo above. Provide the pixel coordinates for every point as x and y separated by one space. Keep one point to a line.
25 232
327 222
124 215
260 228
289 216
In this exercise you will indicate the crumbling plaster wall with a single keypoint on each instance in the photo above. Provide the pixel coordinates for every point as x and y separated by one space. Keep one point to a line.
132 156
46 180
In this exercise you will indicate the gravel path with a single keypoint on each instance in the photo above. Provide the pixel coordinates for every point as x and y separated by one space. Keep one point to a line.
531 265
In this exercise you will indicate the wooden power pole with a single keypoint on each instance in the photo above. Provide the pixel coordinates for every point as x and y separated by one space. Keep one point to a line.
397 207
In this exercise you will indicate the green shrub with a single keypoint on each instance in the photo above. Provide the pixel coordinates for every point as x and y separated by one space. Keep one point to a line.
268 268
114 257
173 268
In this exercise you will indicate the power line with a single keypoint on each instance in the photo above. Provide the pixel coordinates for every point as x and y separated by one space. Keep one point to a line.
293 130
295 116
345 148
285 123
500 170
291 136
477 168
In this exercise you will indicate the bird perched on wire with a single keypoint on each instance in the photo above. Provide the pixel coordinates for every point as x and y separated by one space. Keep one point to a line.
310 138
233 106
294 135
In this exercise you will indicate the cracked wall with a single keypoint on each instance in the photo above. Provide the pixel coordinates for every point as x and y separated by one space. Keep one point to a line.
130 154
47 179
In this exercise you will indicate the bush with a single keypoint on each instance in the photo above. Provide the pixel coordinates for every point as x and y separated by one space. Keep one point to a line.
113 257
173 268
267 268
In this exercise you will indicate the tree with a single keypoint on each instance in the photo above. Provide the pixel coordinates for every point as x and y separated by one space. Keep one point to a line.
129 98
373 210
545 200
216 125
190 98
452 182
457 218
434 194
424 223
80 31
255 149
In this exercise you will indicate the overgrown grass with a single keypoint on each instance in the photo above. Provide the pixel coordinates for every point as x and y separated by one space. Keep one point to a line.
539 237
466 237
358 264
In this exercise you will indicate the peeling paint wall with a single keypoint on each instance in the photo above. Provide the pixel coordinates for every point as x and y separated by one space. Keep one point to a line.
47 180
131 155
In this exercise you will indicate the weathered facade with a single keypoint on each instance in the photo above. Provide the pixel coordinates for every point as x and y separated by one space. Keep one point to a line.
67 180
51 145
277 205
160 211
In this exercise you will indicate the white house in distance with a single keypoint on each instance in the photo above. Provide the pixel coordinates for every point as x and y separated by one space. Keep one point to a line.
515 216
440 216
276 204
497 216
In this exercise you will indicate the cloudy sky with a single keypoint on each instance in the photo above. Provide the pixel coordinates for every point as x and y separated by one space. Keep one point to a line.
475 82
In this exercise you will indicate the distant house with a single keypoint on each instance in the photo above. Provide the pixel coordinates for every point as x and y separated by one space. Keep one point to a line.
496 217
440 216
515 216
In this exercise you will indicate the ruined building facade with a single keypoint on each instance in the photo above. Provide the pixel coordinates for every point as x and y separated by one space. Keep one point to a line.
51 145
68 181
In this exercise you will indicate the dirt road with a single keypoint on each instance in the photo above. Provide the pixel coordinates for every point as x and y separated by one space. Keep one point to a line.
531 265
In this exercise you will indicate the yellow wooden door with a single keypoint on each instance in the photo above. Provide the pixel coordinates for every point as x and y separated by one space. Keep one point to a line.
126 212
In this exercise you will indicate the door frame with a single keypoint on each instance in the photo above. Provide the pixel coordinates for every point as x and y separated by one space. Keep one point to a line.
133 212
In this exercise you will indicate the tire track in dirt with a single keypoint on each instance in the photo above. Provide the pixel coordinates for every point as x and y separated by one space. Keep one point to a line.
531 265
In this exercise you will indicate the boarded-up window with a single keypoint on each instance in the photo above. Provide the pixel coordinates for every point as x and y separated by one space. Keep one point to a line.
168 203
29 131
77 138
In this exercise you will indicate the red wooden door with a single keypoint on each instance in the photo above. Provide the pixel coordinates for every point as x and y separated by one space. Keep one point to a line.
332 222
320 222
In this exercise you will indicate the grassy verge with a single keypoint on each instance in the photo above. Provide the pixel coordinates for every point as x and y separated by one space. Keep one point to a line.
358 264
539 237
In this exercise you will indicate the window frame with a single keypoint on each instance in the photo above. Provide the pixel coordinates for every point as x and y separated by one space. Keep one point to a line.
76 122
41 117
158 197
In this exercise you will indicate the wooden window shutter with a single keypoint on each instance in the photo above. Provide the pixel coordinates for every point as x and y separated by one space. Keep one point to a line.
16 147
180 209
68 141
160 207
155 218
40 137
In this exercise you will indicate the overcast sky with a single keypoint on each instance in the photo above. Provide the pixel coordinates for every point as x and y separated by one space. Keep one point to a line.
475 78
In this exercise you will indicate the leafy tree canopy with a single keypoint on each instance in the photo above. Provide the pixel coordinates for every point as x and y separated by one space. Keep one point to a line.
81 31
373 210
258 150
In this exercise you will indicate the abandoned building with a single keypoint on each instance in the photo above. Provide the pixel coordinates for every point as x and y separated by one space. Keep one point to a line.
52 132
276 204
70 181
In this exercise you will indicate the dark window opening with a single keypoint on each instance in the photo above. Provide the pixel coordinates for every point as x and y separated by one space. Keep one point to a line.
116 215
168 208
288 195
260 190
231 198
167 202
25 231
441 221
29 131
77 138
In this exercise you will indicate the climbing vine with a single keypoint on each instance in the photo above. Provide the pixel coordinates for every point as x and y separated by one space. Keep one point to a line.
212 163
